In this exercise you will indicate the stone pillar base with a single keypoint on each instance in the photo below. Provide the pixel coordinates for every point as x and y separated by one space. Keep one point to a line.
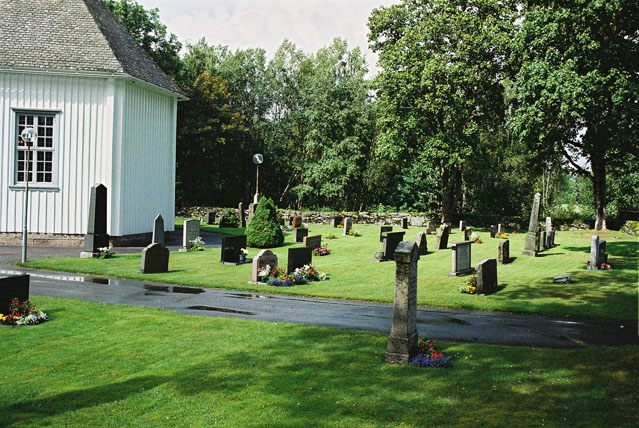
401 349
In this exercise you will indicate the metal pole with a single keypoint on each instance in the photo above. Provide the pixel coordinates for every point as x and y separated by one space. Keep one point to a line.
26 205
257 181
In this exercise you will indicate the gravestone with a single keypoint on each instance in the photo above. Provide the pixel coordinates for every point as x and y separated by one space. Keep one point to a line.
264 258
158 230
549 239
461 259
348 225
240 213
299 234
219 220
593 263
538 239
190 232
462 225
251 211
337 220
467 232
11 287
297 222
210 218
552 238
487 276
543 240
290 220
493 230
404 222
231 250
391 241
530 245
382 230
155 259
313 241
422 244
96 236
441 240
298 257
500 228
603 256
430 227
282 222
402 342
548 224
503 254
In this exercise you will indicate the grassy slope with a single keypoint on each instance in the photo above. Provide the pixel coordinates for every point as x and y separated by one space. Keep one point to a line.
527 282
102 365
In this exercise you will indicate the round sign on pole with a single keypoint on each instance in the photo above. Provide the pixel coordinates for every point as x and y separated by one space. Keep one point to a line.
258 159
29 136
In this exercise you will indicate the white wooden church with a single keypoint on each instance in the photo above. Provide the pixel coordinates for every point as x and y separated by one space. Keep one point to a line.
104 113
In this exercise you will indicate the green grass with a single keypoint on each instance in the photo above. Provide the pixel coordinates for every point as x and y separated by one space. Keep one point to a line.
114 366
527 282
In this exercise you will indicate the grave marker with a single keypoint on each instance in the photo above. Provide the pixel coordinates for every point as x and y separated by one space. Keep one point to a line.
210 218
594 263
493 230
462 225
548 224
240 212
299 234
441 240
487 276
382 230
404 222
461 259
467 232
158 230
298 257
422 244
297 222
231 250
603 256
96 236
500 229
544 243
190 232
402 342
391 241
264 258
155 259
337 220
11 287
251 211
314 241
348 225
530 246
503 255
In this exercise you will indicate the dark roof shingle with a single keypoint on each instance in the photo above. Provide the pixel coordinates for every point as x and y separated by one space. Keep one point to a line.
75 35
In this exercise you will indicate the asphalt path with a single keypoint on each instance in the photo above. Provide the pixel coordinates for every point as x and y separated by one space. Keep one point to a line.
435 323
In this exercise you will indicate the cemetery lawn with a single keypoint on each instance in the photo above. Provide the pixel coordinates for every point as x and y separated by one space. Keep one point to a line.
106 365
527 283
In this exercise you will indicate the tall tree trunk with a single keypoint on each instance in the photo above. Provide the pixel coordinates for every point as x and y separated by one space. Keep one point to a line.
599 192
451 179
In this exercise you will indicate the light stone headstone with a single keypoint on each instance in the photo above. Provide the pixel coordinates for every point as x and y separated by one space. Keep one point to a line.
158 230
441 240
298 257
348 225
462 225
264 258
530 245
402 342
240 212
382 230
251 211
503 255
593 264
461 259
548 224
155 259
422 243
299 234
313 241
190 232
486 276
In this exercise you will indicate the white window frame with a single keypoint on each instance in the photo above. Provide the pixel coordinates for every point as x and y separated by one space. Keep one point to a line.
35 149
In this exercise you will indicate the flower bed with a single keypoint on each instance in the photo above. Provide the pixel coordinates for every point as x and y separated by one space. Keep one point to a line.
430 356
23 313
322 251
469 286
277 277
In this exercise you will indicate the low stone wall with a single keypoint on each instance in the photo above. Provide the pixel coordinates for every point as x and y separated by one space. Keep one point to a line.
43 240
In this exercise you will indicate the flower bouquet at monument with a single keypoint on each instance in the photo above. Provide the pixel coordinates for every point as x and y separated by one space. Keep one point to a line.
430 355
469 286
23 313
322 251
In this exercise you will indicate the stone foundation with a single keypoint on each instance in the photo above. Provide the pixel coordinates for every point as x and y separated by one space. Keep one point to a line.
72 241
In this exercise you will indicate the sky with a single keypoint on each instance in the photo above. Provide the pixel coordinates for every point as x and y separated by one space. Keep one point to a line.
241 24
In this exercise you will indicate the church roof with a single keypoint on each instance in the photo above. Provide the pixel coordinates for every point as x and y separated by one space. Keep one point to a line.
73 35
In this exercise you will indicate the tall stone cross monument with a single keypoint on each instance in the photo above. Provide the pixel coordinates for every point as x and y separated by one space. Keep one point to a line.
530 247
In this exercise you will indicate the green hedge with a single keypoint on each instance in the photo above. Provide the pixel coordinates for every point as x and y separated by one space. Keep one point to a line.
264 229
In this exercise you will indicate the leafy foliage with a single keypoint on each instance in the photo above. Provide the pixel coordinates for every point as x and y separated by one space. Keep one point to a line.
230 218
264 229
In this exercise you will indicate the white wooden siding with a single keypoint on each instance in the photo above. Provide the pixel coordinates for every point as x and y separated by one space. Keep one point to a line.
84 118
146 160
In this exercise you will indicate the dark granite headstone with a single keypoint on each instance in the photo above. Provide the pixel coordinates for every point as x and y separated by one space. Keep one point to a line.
297 222
155 259
487 276
538 240
11 287
383 230
503 255
493 230
467 232
441 239
402 342
96 236
404 221
230 251
337 220
299 234
422 243
543 241
391 241
314 241
603 257
210 218
531 244
158 230
298 257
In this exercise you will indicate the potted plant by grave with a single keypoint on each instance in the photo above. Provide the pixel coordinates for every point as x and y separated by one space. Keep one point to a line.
243 254
264 229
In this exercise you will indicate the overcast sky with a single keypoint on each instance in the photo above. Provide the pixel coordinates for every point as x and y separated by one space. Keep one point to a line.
241 24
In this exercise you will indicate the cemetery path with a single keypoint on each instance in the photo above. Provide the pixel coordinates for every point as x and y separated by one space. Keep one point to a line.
436 323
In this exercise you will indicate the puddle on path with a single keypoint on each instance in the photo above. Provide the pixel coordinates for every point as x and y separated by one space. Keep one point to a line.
104 281
174 289
247 296
212 308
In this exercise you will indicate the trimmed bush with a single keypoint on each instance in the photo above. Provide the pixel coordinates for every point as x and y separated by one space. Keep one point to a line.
264 229
229 218
631 228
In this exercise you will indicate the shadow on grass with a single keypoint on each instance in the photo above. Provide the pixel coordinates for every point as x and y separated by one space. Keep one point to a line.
549 254
340 378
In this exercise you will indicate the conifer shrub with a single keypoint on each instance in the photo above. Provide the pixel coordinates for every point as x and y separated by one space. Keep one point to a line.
229 218
264 229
